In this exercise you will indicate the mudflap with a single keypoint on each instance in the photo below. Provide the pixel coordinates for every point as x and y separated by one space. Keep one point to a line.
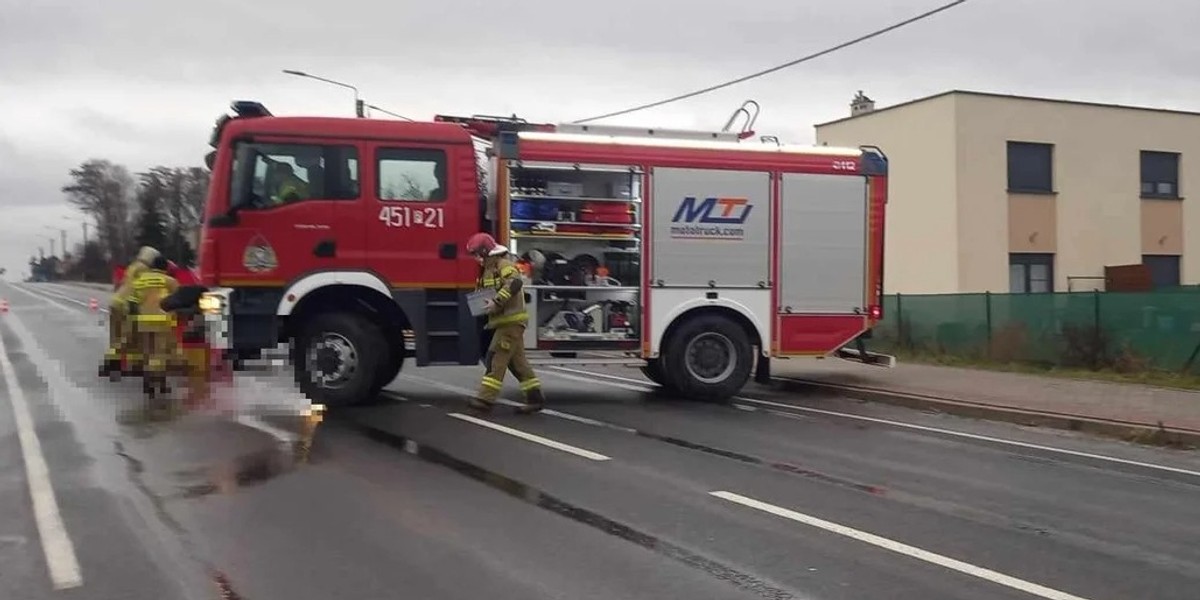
860 354
762 370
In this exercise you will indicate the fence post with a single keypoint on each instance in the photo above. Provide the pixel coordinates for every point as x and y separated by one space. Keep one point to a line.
1097 352
987 307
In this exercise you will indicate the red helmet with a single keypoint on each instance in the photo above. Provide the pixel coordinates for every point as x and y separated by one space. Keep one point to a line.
481 244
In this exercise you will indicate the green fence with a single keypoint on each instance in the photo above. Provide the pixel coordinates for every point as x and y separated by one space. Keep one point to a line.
1125 331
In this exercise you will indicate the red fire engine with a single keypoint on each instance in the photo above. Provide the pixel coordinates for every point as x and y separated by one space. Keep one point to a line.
692 255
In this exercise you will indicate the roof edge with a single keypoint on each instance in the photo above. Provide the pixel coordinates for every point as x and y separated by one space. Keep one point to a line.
1012 97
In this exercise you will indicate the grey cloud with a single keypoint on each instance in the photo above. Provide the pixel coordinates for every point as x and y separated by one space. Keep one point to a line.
140 81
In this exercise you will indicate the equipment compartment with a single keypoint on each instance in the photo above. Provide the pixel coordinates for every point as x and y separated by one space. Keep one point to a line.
576 233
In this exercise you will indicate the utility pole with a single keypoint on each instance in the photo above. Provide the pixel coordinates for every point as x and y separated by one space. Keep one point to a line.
358 104
63 237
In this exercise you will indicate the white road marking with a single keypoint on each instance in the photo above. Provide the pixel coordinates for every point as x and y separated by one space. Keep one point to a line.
255 422
252 421
537 439
973 436
900 548
42 296
56 543
462 391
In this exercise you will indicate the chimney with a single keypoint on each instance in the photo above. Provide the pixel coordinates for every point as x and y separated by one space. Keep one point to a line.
861 105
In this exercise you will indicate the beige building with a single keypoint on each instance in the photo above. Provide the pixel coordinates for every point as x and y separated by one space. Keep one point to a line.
1004 193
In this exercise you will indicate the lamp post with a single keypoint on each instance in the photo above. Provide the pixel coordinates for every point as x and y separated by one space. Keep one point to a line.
83 223
358 104
388 112
63 233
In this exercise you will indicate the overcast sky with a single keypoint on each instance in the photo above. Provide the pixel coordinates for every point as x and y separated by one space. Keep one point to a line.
140 81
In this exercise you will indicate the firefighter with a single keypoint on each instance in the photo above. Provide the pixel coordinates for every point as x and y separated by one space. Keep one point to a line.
119 335
155 327
507 319
291 188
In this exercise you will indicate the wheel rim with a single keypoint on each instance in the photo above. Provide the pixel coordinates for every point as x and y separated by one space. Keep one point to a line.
332 360
710 357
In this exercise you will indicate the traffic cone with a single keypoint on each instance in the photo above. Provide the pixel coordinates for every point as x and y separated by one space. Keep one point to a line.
93 305
3 305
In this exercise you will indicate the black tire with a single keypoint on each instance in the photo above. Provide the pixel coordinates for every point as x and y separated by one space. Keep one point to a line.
356 344
720 362
654 372
390 366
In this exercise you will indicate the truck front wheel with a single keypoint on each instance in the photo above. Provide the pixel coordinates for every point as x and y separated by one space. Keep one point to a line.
340 356
709 358
390 367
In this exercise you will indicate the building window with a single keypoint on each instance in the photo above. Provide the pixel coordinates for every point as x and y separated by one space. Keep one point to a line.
1160 174
411 175
269 175
1030 168
1030 273
1164 269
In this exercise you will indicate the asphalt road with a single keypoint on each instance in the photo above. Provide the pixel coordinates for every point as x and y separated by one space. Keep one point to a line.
617 492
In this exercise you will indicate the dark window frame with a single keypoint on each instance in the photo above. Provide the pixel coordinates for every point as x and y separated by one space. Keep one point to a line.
1030 167
1026 260
438 156
335 187
1156 168
1175 279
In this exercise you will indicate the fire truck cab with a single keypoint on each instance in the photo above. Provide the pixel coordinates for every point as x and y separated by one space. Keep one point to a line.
692 255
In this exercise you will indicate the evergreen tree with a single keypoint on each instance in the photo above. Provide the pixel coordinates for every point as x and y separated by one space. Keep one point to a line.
151 229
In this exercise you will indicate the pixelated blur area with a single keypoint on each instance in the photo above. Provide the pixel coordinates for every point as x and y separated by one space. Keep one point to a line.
164 411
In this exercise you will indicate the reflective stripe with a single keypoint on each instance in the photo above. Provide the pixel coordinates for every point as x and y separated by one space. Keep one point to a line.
152 318
503 294
491 382
530 384
509 271
497 321
149 281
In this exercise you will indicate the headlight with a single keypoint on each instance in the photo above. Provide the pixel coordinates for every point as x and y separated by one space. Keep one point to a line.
210 304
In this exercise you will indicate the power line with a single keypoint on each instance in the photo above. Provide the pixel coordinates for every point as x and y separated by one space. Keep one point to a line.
779 67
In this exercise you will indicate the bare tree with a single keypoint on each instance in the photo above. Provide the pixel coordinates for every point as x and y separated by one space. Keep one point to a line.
105 191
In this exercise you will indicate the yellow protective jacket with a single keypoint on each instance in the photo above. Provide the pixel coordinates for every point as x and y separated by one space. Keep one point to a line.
500 274
140 264
292 189
149 289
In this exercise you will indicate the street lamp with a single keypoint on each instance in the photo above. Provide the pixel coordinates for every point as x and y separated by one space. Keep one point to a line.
387 112
358 104
63 233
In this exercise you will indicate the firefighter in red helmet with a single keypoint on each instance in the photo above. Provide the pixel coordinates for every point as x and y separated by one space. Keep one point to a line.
507 319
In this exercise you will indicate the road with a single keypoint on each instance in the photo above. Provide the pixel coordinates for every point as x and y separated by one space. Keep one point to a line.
617 492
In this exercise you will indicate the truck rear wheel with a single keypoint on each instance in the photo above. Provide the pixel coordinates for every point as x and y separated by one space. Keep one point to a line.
709 358
654 372
340 358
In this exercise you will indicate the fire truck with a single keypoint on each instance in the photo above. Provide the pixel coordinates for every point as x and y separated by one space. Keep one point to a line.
695 256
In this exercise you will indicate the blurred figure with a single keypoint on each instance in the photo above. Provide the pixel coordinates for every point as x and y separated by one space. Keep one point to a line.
154 326
119 338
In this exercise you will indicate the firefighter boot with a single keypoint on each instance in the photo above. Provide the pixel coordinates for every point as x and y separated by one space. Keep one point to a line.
535 401
110 367
479 406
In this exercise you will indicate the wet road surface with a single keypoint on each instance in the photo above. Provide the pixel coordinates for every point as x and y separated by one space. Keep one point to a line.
617 492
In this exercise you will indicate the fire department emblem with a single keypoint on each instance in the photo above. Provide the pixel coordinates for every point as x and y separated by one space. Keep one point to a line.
259 256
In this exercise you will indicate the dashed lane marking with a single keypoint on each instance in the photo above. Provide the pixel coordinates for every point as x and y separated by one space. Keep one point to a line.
900 548
623 382
537 439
